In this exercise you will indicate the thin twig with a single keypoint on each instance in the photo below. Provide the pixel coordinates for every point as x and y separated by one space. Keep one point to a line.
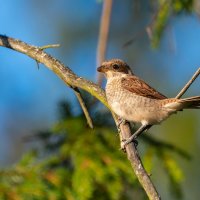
71 79
75 89
46 47
185 88
38 65
103 36
83 106
40 56
50 46
145 30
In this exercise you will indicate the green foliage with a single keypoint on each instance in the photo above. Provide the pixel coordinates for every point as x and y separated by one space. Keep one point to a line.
75 162
166 8
161 151
160 23
182 5
175 175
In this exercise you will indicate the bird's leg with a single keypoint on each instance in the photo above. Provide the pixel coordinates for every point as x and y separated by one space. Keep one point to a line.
148 127
133 137
121 121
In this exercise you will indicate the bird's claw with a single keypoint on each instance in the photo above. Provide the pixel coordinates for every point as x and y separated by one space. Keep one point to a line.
124 143
121 121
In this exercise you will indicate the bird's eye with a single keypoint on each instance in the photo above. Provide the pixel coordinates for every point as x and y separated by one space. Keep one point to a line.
115 66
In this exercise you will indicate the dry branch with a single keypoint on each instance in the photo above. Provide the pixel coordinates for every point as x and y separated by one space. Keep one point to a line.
188 84
72 80
103 36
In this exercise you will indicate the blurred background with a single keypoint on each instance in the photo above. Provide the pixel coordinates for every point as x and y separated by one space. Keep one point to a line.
29 97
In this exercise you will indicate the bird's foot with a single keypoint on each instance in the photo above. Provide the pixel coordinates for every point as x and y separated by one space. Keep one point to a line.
121 121
125 142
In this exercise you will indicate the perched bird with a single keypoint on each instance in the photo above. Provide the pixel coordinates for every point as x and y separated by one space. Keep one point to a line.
134 100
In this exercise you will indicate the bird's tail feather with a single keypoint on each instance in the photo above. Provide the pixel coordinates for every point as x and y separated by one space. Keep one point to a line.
191 102
180 104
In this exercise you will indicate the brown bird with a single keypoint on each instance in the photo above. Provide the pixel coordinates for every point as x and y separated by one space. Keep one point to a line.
134 100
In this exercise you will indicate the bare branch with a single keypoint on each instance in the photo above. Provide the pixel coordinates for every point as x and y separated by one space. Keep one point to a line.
41 57
50 46
185 88
72 80
103 35
76 90
137 165
46 47
83 106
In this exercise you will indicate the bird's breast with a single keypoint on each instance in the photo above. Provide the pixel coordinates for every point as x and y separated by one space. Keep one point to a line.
131 106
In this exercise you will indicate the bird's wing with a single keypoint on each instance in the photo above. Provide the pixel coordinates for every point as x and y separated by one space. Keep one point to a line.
139 87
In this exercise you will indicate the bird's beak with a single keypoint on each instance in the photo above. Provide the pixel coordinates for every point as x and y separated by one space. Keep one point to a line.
101 69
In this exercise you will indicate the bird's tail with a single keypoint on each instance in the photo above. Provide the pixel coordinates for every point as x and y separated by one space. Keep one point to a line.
191 102
180 104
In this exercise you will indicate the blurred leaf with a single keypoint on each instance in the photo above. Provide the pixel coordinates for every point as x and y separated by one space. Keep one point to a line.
165 10
175 176
160 23
182 5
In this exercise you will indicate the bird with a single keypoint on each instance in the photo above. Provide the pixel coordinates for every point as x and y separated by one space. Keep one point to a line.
132 99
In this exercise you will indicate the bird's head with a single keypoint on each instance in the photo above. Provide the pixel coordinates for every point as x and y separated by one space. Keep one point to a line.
114 67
